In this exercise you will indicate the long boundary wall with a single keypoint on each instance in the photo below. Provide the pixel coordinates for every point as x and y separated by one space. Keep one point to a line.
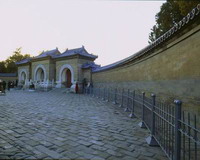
171 70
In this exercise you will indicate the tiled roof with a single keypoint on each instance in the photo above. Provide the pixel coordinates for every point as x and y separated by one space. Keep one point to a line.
23 61
56 54
8 74
77 51
177 26
91 65
50 53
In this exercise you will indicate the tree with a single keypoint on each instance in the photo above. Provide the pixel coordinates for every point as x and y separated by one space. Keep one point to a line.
170 12
9 66
17 56
2 67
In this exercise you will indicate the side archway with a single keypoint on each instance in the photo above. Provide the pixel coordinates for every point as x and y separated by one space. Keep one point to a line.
23 76
40 73
66 75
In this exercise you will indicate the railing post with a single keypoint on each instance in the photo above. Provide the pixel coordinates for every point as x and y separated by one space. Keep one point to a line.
151 139
115 96
127 109
103 94
122 102
141 124
133 106
89 91
177 152
98 92
108 95
94 90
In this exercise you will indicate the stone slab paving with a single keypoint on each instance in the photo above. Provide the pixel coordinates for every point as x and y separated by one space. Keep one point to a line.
57 125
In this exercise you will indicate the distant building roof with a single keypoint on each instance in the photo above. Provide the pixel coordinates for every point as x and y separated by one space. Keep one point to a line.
77 51
23 61
8 74
55 53
51 53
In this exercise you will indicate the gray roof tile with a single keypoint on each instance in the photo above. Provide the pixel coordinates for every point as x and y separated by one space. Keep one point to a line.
77 51
24 61
50 53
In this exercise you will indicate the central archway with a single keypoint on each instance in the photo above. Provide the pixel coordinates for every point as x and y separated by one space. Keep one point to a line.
66 76
40 73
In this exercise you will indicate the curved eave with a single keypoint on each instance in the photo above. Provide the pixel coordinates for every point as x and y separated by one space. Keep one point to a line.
23 64
40 58
75 55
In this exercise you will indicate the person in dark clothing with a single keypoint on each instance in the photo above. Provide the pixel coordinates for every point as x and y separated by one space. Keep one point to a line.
13 84
76 88
9 85
84 84
4 85
32 86
16 83
1 86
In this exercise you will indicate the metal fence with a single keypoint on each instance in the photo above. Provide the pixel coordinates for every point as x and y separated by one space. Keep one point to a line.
174 130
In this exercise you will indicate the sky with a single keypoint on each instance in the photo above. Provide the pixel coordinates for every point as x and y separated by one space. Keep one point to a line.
111 29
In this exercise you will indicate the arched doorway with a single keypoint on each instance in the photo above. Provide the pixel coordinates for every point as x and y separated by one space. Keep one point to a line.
23 76
40 75
69 78
66 78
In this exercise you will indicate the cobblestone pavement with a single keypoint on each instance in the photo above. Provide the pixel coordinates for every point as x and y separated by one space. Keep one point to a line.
57 125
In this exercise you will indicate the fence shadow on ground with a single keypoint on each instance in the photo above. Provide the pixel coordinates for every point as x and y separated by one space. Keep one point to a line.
174 130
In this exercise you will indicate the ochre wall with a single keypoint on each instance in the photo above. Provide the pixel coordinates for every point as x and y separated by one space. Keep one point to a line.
170 72
52 70
81 73
87 74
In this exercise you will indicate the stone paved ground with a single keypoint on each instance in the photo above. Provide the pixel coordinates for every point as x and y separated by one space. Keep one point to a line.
54 125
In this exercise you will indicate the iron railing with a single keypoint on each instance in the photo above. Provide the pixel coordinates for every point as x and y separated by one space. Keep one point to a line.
174 130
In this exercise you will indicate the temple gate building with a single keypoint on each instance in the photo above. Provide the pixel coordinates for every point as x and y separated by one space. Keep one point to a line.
55 69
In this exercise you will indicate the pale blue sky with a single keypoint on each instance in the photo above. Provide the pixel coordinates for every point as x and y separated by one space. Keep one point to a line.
113 30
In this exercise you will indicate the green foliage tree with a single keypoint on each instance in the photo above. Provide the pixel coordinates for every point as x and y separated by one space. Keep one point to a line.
2 67
170 12
9 66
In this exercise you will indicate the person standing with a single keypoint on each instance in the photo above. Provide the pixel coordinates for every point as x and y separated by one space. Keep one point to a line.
76 88
16 83
1 86
4 86
8 85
